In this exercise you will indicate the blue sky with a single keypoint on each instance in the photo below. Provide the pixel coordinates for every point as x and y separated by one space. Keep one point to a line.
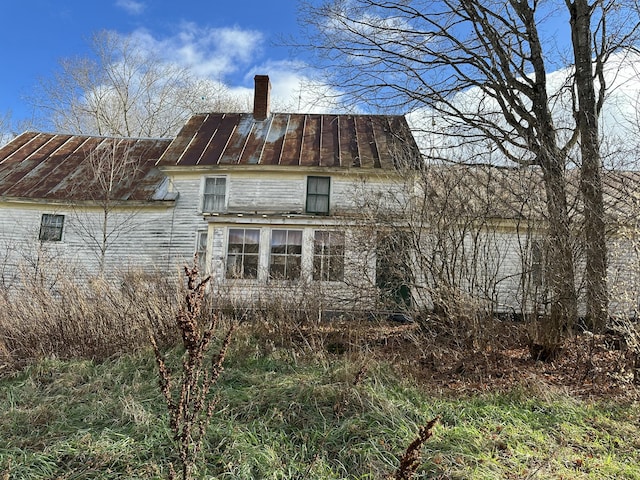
229 40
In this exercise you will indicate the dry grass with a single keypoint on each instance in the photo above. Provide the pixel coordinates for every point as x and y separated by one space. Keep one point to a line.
95 319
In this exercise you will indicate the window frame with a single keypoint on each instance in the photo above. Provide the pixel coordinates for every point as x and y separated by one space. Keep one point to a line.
324 260
205 194
292 259
537 264
49 227
201 249
313 197
242 255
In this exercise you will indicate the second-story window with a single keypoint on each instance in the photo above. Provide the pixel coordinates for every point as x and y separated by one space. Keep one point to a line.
318 195
214 196
51 228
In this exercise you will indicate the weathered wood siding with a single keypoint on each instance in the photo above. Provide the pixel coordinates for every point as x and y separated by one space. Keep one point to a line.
138 238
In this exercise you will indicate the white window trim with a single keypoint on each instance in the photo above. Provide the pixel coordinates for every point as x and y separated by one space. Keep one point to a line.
301 275
203 183
200 232
313 255
259 275
306 195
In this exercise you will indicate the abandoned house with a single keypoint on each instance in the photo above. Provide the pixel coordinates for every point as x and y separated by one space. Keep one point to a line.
267 200
336 208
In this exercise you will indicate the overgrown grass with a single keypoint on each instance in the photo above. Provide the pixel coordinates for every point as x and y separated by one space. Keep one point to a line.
299 399
94 318
278 419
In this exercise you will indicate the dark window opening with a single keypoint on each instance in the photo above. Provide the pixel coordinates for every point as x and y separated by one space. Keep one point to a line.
51 227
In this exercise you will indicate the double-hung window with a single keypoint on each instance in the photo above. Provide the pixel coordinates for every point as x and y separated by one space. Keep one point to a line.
328 256
318 195
243 252
214 197
51 228
286 254
201 250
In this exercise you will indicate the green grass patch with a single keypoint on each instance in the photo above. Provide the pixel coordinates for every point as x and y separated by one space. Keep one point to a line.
284 417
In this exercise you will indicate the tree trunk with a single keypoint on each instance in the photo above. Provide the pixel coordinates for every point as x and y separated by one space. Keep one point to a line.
590 178
559 266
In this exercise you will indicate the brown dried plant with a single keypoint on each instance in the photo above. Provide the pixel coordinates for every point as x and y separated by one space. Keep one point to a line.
187 389
410 461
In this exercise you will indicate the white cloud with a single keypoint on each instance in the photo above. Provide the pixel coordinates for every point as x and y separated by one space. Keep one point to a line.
294 91
208 52
223 54
131 6
619 119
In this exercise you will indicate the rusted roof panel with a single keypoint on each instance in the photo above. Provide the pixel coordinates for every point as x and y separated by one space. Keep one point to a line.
283 139
290 154
272 149
348 142
224 129
64 167
310 151
329 144
366 143
180 144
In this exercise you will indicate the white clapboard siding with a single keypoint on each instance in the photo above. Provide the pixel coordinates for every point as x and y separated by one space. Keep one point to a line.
163 237
138 238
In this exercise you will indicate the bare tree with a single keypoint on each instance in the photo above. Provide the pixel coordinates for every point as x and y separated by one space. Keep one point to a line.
9 127
126 90
481 70
112 168
5 128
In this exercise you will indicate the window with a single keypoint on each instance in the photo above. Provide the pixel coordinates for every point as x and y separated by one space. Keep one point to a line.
328 256
318 195
393 269
214 196
286 254
201 250
537 264
51 228
242 253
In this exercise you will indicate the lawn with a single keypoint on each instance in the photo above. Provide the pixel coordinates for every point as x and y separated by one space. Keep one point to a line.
302 413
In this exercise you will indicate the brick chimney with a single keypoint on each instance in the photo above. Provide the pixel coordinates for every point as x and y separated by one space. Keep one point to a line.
261 96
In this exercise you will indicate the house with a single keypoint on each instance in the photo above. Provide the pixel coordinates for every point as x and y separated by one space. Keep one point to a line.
334 212
269 201
277 196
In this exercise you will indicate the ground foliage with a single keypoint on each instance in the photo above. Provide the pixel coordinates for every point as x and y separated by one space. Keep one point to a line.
337 400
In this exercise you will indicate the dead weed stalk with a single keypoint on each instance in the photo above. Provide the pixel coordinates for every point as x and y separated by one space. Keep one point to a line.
187 389
410 461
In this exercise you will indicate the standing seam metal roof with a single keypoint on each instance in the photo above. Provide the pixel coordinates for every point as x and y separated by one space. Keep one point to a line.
287 139
59 167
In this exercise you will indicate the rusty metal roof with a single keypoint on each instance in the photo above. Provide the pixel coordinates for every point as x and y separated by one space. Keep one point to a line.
64 167
284 139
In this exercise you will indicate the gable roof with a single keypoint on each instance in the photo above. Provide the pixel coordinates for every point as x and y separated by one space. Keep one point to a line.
59 167
295 140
